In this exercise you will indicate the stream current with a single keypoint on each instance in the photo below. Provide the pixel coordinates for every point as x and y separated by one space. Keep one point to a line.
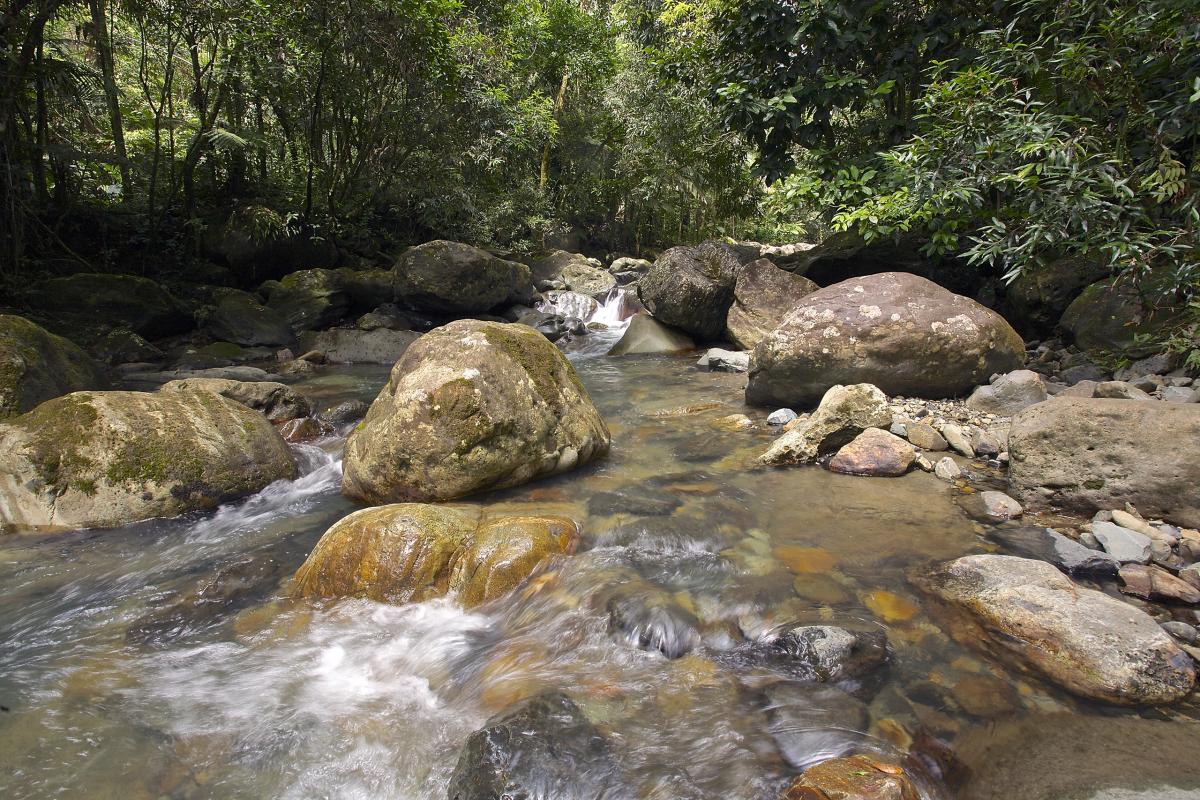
164 659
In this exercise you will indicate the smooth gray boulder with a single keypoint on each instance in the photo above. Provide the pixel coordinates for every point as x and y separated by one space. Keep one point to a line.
1093 645
646 335
352 346
1049 545
1125 545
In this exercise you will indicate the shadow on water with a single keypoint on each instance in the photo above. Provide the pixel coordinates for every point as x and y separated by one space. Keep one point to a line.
164 658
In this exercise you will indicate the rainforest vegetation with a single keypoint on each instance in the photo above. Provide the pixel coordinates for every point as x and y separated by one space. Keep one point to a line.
1009 134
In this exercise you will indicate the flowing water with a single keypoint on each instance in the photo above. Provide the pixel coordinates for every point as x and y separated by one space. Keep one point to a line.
164 659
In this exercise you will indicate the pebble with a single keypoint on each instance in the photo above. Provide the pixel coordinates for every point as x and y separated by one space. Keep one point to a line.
957 438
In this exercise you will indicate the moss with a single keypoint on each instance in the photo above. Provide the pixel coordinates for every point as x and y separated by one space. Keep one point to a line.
541 360
58 430
1095 484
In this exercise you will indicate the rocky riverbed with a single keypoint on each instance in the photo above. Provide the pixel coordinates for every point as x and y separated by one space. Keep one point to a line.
604 570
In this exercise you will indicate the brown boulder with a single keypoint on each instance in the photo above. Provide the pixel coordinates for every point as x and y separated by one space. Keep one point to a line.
762 296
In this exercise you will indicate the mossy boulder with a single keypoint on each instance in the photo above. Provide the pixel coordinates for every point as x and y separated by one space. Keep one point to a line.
410 552
100 459
584 278
472 406
367 288
36 365
763 294
123 346
1036 300
278 402
311 299
1111 315
898 331
113 301
238 317
691 288
455 278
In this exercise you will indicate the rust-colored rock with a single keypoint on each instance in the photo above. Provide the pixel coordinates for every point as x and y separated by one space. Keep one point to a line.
853 778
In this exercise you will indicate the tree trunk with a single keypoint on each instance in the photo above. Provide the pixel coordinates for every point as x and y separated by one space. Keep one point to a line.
559 100
112 100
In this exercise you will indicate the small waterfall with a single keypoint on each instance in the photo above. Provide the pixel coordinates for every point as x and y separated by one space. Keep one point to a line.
606 320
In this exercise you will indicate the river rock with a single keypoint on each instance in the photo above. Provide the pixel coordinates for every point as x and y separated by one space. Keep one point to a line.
1049 545
763 294
123 346
455 278
1009 393
1083 454
855 777
239 318
36 365
472 405
1085 641
351 346
114 301
823 653
905 334
1179 394
100 459
627 270
989 506
947 469
781 416
925 436
1119 390
543 748
691 288
411 552
874 452
844 413
718 360
345 412
277 401
1123 544
650 619
646 335
1151 582
311 299
582 277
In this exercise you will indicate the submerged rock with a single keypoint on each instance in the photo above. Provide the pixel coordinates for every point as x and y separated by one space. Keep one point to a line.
100 459
812 723
1083 454
646 335
853 778
277 401
823 653
470 406
691 288
1085 641
543 748
763 294
648 618
874 452
411 552
902 333
456 278
844 413
36 366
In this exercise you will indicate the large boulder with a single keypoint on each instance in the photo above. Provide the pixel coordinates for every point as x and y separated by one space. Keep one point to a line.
352 346
1028 612
278 402
99 459
582 277
550 267
311 299
1036 300
844 413
543 748
367 289
238 317
1111 315
1087 454
903 333
762 296
646 335
455 278
411 552
691 288
112 301
36 365
470 406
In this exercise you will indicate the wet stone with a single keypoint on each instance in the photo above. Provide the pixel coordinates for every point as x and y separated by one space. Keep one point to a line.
639 501
652 620
812 723
822 653
543 748
1047 544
